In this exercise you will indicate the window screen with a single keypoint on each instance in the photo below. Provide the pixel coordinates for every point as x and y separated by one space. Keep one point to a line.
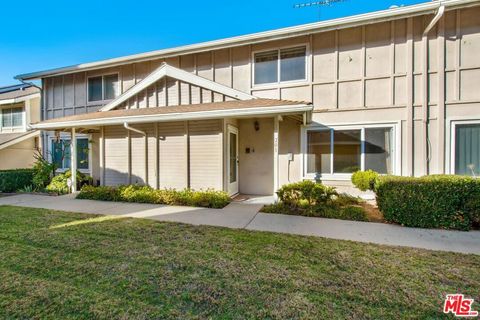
292 64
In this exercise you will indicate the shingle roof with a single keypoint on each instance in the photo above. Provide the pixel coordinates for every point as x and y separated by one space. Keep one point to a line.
225 105
17 91
184 112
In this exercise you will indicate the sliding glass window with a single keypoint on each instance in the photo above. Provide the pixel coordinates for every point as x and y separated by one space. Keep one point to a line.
344 151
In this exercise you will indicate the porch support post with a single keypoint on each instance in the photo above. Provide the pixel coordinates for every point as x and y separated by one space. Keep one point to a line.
73 160
275 155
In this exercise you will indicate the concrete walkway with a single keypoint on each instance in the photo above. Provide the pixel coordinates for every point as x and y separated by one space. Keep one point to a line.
245 215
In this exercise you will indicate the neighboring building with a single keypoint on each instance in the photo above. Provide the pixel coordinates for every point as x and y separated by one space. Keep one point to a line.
19 106
396 91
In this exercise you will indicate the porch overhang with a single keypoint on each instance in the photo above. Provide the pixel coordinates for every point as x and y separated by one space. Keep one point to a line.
216 110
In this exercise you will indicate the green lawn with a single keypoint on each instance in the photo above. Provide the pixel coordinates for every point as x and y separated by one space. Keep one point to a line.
60 265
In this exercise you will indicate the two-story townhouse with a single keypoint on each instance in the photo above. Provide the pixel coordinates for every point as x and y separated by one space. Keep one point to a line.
19 106
396 91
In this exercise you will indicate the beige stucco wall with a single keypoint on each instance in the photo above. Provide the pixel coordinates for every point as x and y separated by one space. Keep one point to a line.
20 155
256 167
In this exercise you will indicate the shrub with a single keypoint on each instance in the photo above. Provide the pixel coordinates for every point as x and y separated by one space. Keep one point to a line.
364 180
312 199
99 193
322 211
43 172
305 193
59 182
438 201
344 199
13 180
346 213
146 194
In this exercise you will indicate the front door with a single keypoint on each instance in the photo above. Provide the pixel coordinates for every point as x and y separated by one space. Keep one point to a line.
232 168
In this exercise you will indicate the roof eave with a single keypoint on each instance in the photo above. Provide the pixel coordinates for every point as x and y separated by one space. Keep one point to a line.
184 116
20 99
340 23
19 139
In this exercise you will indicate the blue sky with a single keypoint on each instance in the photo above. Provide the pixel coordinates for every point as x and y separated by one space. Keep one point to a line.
39 35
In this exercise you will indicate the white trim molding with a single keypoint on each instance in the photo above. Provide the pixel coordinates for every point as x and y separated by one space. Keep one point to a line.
166 70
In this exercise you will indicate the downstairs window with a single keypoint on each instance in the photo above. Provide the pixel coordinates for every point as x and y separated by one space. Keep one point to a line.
467 149
344 151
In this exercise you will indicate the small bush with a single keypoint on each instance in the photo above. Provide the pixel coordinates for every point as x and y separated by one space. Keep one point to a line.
312 199
146 194
364 180
59 182
305 193
13 180
354 213
346 213
344 199
438 201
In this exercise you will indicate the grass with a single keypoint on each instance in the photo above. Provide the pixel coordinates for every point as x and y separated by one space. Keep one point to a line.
60 265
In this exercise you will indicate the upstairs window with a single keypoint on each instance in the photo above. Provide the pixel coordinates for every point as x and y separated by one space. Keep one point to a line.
12 117
103 88
280 65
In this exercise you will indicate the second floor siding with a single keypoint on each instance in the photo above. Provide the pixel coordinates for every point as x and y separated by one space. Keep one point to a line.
378 65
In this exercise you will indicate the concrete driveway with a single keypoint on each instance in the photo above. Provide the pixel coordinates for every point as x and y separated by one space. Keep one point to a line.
245 215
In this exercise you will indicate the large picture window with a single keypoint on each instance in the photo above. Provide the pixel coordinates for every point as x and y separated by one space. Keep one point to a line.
280 65
343 151
61 154
467 149
103 87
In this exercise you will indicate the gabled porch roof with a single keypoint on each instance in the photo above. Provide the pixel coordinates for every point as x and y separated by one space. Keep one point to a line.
215 110
166 70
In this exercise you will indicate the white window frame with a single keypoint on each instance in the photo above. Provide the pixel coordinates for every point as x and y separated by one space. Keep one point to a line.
279 82
396 148
23 127
103 101
68 138
451 132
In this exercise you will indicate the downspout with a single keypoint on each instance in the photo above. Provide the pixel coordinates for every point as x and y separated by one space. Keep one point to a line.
427 150
143 133
43 112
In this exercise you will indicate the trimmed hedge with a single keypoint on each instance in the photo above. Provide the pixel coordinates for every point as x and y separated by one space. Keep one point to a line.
146 194
364 180
13 180
437 201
